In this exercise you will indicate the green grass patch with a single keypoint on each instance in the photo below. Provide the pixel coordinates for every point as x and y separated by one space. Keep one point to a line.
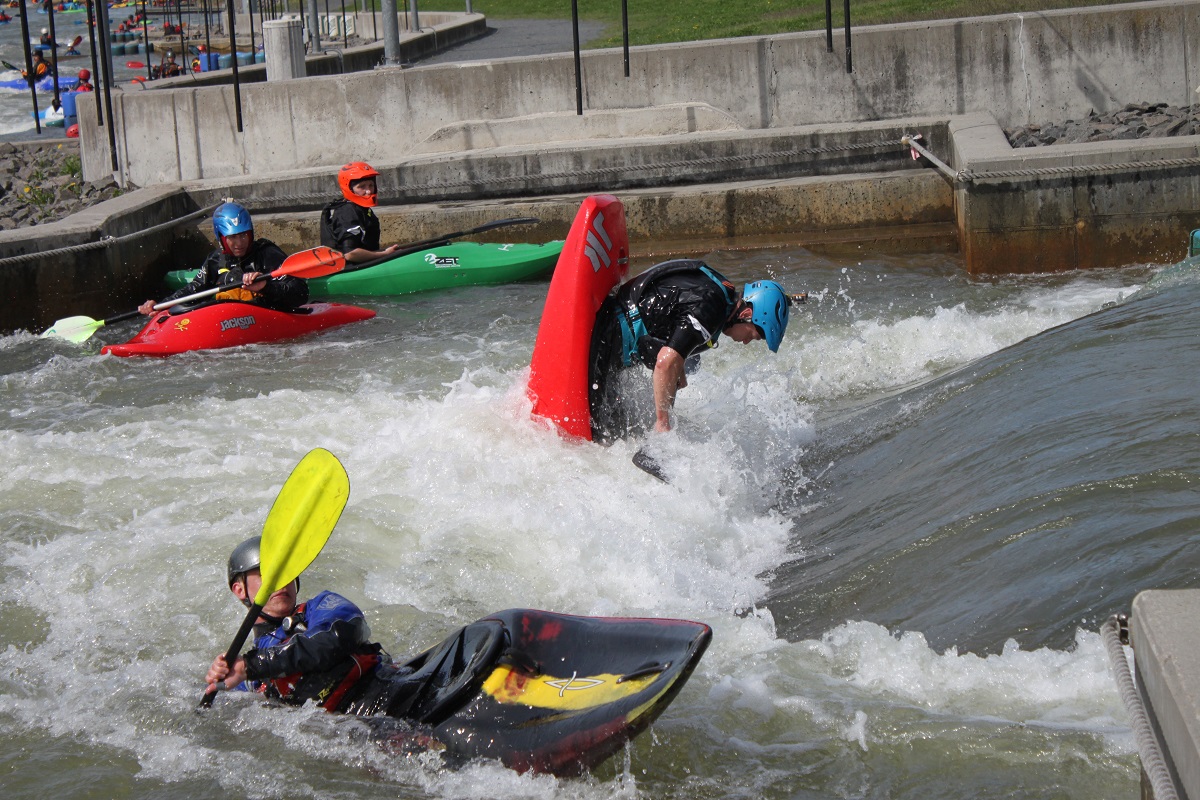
659 21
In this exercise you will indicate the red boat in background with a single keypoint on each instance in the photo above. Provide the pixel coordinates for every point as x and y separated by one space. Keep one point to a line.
232 324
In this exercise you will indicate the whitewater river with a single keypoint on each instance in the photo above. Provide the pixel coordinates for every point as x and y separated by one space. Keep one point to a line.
904 529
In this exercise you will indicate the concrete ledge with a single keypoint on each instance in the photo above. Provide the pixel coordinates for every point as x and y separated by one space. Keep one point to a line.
676 119
1038 209
1166 645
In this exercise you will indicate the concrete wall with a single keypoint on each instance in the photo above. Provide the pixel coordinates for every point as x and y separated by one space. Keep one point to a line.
1065 206
1166 648
1038 67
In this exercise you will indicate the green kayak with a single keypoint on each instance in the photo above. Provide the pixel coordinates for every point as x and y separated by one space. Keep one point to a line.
444 267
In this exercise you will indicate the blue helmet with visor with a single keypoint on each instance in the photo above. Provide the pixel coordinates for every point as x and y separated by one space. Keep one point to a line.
770 304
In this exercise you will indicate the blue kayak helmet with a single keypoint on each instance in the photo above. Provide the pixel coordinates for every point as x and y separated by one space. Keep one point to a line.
770 304
231 218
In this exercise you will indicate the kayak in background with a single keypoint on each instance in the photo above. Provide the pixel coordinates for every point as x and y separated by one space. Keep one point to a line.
232 324
539 691
445 267
54 117
45 84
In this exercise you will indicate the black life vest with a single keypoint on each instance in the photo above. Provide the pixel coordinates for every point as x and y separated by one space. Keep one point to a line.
636 341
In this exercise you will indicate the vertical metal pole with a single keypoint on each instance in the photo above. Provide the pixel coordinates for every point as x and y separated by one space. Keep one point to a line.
345 27
578 77
625 32
54 52
182 44
391 33
146 38
416 20
849 55
374 23
829 26
30 78
314 26
106 65
208 65
250 14
95 65
237 86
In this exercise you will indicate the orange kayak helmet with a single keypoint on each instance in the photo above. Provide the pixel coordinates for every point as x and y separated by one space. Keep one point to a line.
356 171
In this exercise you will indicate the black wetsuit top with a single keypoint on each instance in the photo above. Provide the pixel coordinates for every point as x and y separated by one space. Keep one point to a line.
221 269
346 226
681 306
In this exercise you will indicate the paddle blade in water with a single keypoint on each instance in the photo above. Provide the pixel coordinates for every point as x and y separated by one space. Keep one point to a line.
649 464
301 520
74 329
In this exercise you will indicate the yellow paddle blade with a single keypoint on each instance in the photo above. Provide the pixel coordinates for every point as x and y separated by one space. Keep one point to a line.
301 520
74 329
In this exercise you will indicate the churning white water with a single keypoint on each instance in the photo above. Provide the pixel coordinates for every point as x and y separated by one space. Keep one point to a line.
127 483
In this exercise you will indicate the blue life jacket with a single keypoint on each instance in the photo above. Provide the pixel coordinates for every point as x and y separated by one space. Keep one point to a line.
311 619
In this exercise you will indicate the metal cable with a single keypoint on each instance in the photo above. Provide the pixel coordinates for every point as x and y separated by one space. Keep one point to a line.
1153 761
104 240
969 176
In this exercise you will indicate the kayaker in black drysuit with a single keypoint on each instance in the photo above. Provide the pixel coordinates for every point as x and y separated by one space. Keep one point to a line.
318 650
663 319
244 264
349 225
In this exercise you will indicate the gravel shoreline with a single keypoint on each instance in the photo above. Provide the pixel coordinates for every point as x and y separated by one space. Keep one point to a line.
42 182
1134 121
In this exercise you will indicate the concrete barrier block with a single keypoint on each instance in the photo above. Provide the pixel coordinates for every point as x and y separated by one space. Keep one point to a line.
1166 648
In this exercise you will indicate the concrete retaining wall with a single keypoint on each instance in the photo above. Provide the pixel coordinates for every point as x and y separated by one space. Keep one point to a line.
1019 67
1166 649
1099 204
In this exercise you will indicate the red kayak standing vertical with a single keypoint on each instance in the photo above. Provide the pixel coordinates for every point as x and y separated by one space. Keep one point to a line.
594 259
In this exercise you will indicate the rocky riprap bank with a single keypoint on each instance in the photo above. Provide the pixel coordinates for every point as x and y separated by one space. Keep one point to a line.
1134 121
42 182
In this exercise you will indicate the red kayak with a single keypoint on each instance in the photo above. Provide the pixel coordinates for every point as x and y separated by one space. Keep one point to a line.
231 325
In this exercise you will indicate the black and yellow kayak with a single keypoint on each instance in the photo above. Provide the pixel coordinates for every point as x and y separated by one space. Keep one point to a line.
540 691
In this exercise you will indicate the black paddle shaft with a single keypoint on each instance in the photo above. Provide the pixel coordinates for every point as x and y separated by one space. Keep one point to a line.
235 648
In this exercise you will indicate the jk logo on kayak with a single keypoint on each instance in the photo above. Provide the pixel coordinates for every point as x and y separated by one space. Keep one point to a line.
596 252
237 322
